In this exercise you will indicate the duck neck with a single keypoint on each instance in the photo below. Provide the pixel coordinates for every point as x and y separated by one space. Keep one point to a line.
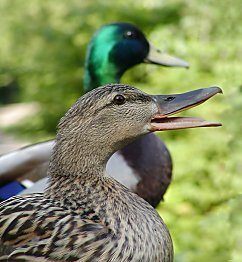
74 166
82 149
78 159
98 74
100 66
79 168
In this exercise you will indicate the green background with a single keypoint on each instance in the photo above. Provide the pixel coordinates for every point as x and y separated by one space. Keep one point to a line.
42 47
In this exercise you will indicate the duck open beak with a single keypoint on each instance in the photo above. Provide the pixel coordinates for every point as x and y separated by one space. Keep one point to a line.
156 56
172 104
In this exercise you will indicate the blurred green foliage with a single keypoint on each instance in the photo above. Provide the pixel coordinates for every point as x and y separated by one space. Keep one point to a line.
42 48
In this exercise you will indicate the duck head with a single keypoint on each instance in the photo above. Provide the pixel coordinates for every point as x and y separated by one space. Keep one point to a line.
117 47
108 118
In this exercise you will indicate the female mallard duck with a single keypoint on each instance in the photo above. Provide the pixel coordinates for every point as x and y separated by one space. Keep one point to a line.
85 215
113 49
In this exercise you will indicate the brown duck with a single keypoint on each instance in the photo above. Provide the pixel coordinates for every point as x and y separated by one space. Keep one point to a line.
84 214
113 50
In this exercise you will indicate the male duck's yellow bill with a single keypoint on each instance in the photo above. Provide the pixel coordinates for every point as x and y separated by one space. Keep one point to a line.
172 104
156 56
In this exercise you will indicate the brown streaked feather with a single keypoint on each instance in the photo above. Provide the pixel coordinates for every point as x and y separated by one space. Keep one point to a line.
85 215
39 225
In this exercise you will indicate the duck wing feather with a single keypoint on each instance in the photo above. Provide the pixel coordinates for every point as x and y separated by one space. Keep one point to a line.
39 227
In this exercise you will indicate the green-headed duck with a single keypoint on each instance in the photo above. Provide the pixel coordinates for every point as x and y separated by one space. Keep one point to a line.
113 49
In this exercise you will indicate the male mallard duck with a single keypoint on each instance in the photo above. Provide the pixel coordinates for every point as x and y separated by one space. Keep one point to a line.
113 49
85 215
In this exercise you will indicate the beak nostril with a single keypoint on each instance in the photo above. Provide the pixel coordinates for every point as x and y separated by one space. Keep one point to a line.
169 98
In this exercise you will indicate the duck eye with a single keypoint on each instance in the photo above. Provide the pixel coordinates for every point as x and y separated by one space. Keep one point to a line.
119 100
130 35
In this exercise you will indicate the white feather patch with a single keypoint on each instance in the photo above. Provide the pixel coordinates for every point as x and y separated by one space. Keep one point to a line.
119 169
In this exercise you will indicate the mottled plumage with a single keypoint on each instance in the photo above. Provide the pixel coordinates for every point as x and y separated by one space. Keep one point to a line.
88 227
85 215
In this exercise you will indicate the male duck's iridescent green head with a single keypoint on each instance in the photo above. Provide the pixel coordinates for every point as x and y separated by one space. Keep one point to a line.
117 47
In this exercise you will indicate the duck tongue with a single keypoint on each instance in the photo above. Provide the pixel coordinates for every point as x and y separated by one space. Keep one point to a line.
172 104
